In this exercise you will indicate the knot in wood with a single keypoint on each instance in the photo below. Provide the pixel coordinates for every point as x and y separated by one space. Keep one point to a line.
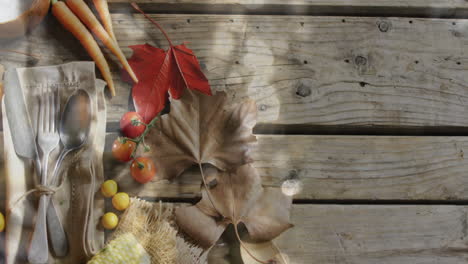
456 34
202 65
303 91
263 107
384 26
293 175
360 61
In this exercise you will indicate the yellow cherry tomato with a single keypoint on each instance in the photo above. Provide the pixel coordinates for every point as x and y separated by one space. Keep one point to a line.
2 222
109 188
109 221
121 201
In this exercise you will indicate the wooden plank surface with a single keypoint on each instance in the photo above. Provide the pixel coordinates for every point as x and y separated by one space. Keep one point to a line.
322 71
337 168
392 234
428 8
327 71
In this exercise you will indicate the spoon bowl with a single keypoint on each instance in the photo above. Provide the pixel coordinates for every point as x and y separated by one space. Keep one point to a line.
76 120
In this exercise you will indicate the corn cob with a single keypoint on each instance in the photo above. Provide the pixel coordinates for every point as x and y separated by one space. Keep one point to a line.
124 249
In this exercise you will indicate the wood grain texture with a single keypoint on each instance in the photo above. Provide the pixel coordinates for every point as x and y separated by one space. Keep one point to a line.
363 234
327 71
430 8
337 168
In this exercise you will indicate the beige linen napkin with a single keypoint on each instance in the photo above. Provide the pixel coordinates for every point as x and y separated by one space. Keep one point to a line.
82 170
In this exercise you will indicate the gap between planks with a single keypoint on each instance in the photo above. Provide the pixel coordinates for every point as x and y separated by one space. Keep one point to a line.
387 8
305 129
330 201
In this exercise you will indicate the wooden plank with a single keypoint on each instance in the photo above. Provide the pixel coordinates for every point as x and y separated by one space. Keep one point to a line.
392 234
337 168
326 71
427 8
368 234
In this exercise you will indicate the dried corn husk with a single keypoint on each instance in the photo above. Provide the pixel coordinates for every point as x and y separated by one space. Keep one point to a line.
124 249
151 224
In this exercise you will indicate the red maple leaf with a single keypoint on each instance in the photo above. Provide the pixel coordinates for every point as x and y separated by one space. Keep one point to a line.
160 71
148 96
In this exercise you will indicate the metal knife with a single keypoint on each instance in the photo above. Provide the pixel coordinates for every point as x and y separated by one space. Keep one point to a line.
18 119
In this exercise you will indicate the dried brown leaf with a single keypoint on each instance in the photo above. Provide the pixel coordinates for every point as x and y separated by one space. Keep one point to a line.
264 250
237 197
200 129
204 229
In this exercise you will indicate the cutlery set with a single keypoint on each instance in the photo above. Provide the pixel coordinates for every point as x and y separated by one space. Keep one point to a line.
47 140
69 128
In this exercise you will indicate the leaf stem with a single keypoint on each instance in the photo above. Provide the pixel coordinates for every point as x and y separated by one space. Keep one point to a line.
245 247
234 223
207 189
137 8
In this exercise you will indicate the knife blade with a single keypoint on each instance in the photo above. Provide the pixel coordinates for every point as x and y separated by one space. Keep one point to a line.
18 119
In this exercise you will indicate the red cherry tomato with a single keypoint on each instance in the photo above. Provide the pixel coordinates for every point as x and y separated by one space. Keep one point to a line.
142 169
122 149
129 127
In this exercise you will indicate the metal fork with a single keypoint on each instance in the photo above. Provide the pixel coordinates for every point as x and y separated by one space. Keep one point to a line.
47 139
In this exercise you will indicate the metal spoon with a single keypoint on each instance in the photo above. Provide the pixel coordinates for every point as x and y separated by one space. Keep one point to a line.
74 130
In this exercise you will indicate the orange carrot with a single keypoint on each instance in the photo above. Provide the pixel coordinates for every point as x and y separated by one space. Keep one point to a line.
85 14
66 17
103 10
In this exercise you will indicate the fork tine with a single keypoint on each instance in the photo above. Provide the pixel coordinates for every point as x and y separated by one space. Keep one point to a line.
40 124
47 110
57 104
52 112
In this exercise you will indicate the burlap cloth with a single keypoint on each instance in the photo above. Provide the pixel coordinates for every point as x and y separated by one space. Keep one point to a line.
78 202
